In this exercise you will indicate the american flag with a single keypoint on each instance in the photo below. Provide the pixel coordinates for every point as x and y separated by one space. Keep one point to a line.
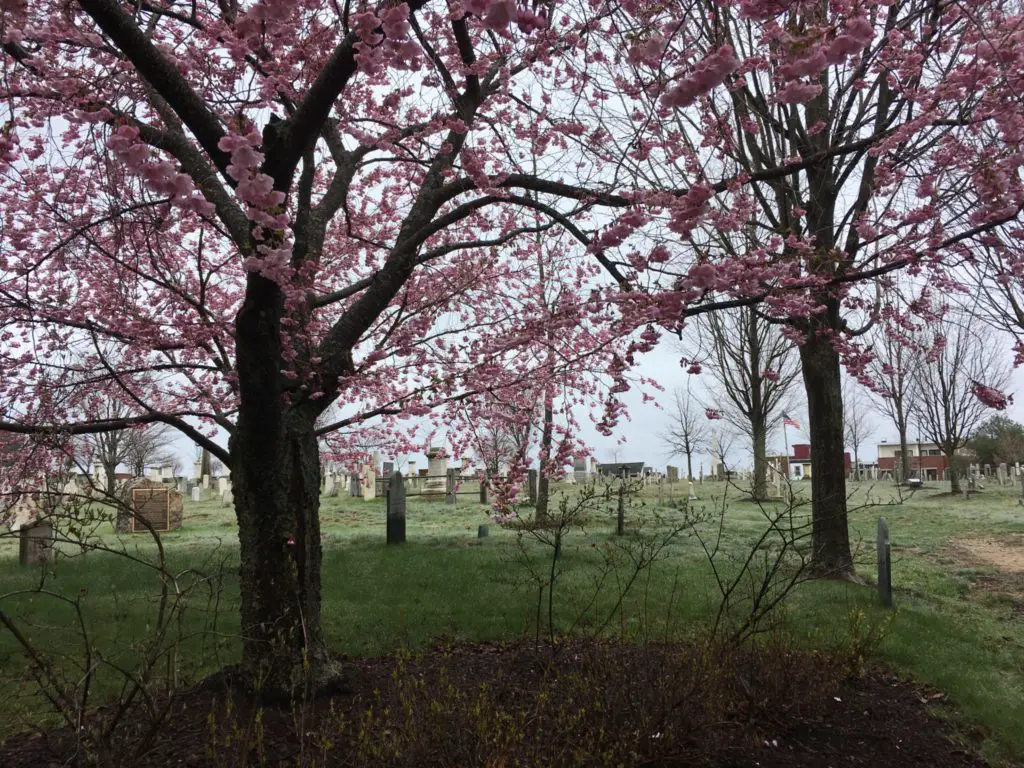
788 422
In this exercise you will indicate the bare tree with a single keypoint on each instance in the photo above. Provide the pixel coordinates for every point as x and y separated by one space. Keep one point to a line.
945 404
688 431
146 445
754 368
110 449
858 426
896 356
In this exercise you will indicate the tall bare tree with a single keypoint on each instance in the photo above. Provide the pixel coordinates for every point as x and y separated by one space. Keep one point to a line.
856 418
146 445
895 359
688 431
754 367
945 404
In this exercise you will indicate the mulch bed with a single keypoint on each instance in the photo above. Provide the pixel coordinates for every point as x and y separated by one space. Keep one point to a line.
520 705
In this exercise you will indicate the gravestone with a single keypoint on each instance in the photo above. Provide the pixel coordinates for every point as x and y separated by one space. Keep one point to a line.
35 543
206 482
692 496
1001 474
884 563
451 486
154 506
368 483
580 473
531 482
329 489
353 484
223 484
395 503
435 486
483 532
228 498
195 493
672 473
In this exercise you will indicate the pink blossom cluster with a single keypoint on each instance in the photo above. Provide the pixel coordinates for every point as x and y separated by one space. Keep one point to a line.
992 398
709 73
384 40
162 176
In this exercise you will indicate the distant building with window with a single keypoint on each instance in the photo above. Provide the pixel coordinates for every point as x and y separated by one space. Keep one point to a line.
924 460
800 462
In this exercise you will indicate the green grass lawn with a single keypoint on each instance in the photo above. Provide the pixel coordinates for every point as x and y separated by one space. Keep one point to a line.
958 573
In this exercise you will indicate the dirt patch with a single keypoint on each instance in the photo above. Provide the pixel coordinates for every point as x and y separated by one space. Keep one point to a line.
588 704
1005 553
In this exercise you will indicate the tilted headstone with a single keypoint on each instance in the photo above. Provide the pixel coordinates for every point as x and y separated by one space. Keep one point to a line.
395 503
35 543
531 482
451 486
884 563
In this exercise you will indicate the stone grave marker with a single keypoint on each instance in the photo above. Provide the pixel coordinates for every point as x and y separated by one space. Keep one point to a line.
884 563
395 503
228 498
483 531
195 493
451 486
435 486
154 506
1001 474
35 543
369 483
222 485
329 489
672 473
353 484
692 496
531 482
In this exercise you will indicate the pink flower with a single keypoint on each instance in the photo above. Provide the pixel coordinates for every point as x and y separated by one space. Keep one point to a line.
712 414
993 398
797 92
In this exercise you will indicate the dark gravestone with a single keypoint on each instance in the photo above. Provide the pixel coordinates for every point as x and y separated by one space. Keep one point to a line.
531 481
483 490
451 486
35 543
884 563
395 504
482 532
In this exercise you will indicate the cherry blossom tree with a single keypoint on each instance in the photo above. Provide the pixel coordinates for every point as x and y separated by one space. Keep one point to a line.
271 209
858 139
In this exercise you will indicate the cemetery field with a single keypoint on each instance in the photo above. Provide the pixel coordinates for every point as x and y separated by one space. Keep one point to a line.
958 578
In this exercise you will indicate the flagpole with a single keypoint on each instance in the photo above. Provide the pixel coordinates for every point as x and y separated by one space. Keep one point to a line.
785 440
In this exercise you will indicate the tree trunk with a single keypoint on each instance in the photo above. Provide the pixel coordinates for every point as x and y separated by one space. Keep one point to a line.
904 458
954 478
110 470
276 484
830 535
689 465
277 502
759 432
541 513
